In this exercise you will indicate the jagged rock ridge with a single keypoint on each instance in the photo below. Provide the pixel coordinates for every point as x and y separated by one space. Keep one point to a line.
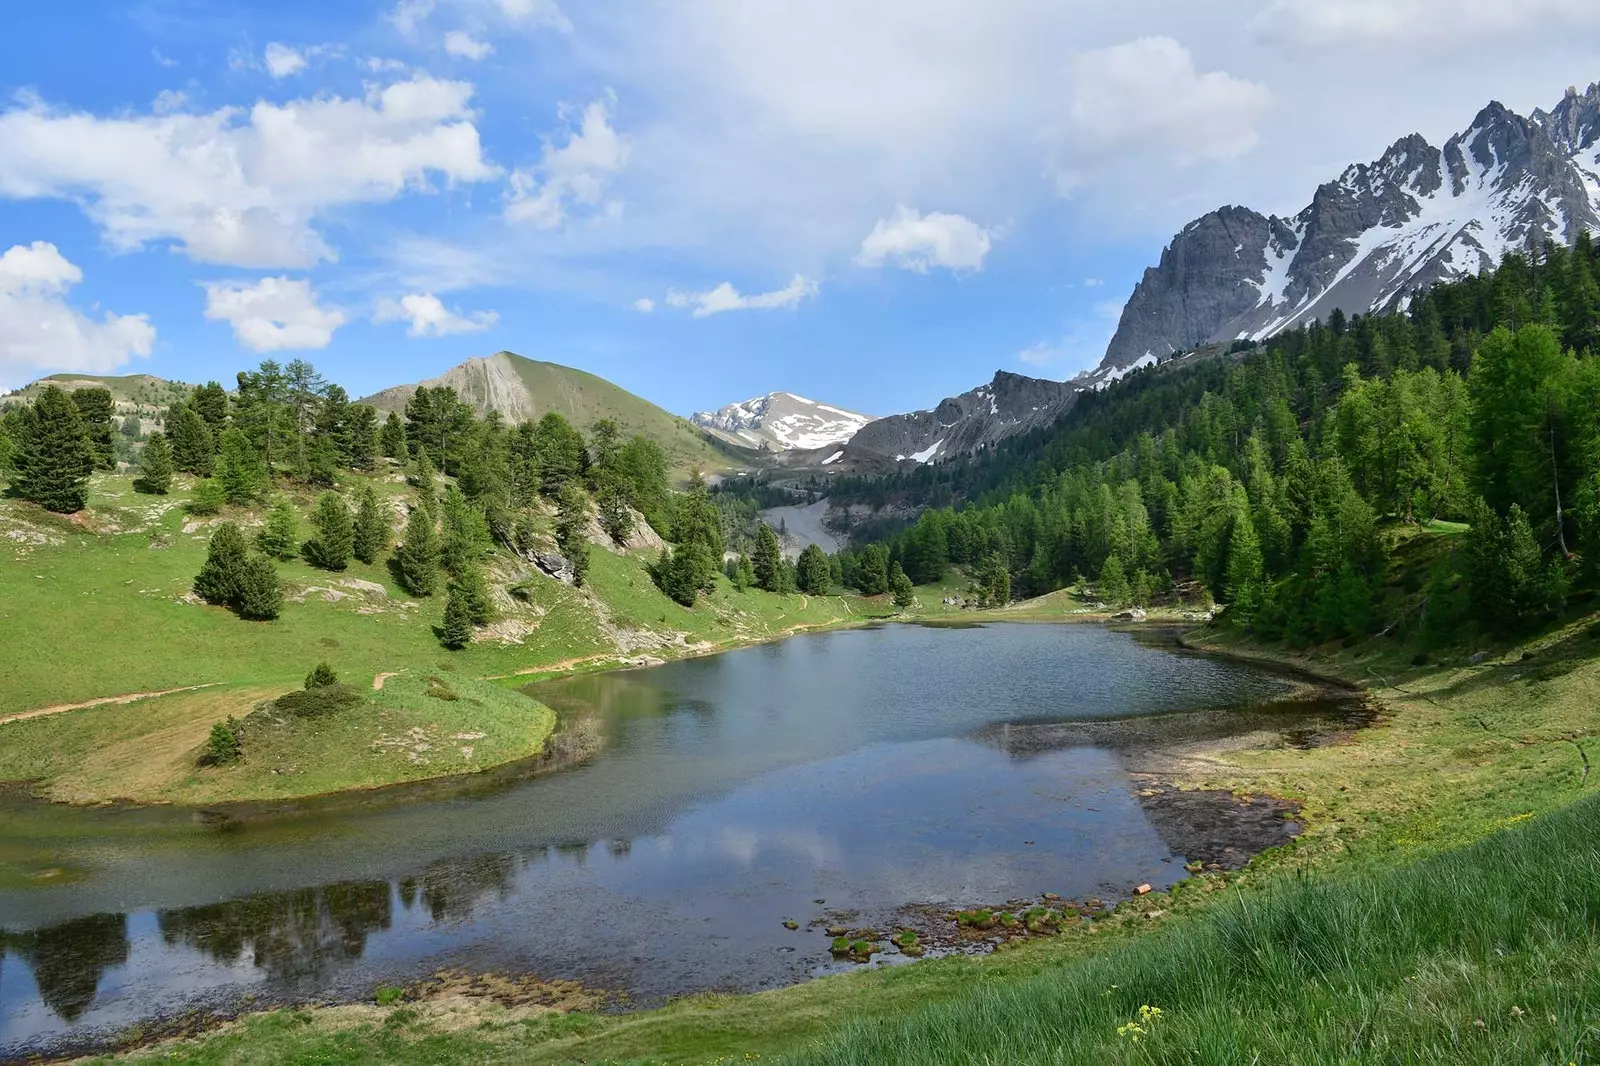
1416 216
781 421
960 425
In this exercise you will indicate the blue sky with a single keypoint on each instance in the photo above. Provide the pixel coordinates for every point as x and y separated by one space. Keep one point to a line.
702 200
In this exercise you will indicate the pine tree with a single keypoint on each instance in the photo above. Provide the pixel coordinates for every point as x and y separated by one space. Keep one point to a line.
193 445
210 402
905 594
416 561
239 469
221 578
280 537
155 466
767 559
260 593
392 438
612 504
811 572
333 541
55 457
572 521
474 586
456 632
422 479
1246 570
1114 582
322 676
372 528
466 534
206 499
746 575
96 409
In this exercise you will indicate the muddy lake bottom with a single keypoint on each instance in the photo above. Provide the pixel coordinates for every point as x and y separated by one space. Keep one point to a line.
873 780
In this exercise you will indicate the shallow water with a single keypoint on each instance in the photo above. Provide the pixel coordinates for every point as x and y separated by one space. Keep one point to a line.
869 769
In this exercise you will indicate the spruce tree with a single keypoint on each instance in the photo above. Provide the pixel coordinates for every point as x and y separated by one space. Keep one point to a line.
260 596
872 573
746 575
193 444
372 528
416 560
155 466
333 541
456 632
97 410
572 524
280 537
55 457
321 676
904 593
221 578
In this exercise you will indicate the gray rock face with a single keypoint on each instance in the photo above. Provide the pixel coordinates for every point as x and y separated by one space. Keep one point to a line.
1416 216
1008 405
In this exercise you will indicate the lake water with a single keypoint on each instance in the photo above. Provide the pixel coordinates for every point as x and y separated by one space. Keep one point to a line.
858 771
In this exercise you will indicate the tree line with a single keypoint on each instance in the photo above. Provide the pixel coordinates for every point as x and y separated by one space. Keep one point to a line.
1271 474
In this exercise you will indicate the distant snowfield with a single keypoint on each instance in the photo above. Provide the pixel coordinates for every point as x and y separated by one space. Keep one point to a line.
785 421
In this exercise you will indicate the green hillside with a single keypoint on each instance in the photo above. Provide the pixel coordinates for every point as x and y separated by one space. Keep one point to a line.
129 391
524 389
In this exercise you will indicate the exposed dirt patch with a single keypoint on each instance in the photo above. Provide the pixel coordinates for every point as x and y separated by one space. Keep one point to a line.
448 985
377 682
62 708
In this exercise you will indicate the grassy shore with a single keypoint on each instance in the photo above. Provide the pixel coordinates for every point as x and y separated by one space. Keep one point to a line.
97 606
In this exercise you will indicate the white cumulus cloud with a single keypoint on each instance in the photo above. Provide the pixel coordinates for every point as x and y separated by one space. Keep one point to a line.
575 174
916 242
1147 99
39 330
727 298
1314 23
243 187
282 61
644 305
427 316
273 314
463 45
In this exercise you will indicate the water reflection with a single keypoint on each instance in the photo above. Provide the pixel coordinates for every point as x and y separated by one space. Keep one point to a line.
289 935
862 768
67 960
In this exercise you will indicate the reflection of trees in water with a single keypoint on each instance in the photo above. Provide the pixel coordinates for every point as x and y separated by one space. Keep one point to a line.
69 959
288 934
452 887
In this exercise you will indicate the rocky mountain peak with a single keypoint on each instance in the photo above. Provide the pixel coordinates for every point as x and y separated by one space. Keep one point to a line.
1415 216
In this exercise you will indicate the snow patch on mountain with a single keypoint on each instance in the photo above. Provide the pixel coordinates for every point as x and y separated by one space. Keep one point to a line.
782 421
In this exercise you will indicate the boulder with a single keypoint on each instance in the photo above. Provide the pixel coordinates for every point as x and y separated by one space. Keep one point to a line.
556 566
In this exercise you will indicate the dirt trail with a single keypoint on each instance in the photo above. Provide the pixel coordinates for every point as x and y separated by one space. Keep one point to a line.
377 682
62 708
552 668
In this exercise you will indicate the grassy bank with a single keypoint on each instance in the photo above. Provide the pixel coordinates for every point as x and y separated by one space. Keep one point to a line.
421 724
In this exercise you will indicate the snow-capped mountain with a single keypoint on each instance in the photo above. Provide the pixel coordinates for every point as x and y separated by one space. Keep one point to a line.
782 421
960 425
1416 216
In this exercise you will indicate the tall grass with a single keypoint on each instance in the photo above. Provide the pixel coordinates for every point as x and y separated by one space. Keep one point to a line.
1487 954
